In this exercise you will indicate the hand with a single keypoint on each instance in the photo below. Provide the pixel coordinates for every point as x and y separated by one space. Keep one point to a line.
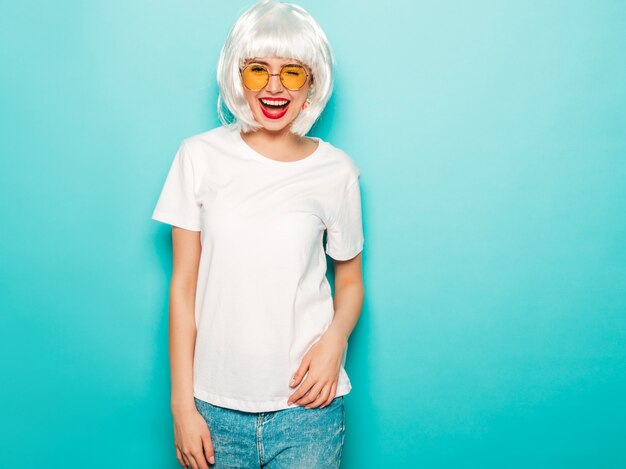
193 440
323 363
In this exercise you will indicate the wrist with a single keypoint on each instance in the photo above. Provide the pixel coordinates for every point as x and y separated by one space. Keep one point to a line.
338 334
183 406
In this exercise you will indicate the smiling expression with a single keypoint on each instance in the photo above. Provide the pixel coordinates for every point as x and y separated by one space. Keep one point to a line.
287 104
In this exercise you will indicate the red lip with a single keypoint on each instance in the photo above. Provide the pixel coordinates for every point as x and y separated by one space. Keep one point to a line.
274 114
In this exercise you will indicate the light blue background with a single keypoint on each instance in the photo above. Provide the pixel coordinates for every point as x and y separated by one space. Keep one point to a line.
492 145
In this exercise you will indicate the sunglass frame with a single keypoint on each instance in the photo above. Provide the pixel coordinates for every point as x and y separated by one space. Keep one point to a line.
269 75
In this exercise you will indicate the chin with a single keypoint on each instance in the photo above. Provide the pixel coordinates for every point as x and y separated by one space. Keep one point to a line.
274 126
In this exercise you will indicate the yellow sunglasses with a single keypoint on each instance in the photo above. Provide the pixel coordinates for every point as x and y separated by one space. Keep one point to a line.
256 76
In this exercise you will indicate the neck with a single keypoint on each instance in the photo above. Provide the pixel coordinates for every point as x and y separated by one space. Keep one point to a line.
276 138
281 145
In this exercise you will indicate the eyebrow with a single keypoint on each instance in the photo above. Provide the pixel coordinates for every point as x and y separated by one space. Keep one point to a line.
258 61
265 63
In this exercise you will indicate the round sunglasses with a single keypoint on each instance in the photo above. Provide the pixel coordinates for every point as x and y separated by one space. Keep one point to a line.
256 76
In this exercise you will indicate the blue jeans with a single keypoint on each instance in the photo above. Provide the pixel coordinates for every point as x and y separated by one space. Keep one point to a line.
288 438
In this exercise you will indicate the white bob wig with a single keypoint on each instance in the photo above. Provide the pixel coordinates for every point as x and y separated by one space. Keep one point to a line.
274 29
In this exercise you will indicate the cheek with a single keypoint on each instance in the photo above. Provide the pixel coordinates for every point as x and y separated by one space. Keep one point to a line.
303 93
299 97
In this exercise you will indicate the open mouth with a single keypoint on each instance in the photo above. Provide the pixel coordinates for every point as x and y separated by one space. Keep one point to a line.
274 108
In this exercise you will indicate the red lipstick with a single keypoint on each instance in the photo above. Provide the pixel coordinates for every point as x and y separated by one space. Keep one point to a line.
274 112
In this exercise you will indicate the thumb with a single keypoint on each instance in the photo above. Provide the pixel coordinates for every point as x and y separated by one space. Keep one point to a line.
207 446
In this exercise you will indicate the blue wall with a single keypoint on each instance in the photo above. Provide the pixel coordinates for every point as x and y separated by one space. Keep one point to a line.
492 145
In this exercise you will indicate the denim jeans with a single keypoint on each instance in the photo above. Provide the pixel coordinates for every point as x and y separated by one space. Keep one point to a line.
290 438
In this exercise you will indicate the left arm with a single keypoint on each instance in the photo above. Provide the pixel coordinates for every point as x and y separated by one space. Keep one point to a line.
323 360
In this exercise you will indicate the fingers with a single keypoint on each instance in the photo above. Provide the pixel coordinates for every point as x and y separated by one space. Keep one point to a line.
186 459
181 459
302 390
301 371
312 394
195 458
198 461
186 462
207 445
331 394
321 398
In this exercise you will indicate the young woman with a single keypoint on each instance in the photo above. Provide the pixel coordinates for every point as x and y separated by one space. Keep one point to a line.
257 342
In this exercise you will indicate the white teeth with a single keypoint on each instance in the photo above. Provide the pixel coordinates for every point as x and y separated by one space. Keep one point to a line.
274 103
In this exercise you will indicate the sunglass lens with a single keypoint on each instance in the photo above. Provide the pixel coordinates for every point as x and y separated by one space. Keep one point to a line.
255 77
293 76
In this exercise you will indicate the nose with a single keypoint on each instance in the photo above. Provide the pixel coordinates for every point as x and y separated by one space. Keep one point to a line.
275 85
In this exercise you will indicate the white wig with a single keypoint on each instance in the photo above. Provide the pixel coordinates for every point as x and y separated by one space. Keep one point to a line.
274 29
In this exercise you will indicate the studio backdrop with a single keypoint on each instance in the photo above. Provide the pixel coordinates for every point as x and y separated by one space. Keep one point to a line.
491 139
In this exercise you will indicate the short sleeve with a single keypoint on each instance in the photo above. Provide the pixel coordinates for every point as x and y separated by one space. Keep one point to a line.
177 204
344 237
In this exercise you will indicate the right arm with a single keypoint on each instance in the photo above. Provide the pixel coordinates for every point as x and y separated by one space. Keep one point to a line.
191 433
182 325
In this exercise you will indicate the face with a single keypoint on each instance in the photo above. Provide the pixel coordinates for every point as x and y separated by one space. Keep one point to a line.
276 118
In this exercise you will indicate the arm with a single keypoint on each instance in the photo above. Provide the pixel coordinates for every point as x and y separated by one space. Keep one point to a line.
192 436
182 330
322 362
349 295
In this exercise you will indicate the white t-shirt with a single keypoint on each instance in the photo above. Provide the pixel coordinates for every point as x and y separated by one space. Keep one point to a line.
262 296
